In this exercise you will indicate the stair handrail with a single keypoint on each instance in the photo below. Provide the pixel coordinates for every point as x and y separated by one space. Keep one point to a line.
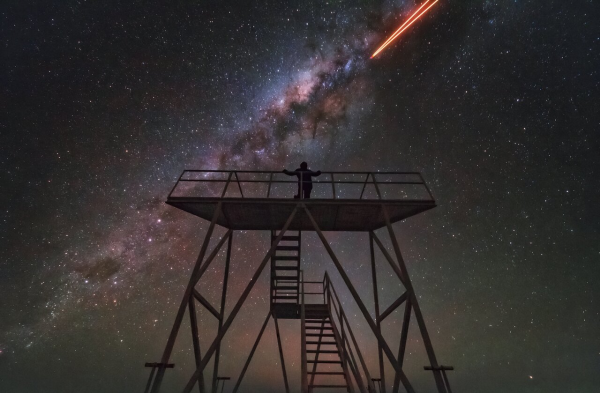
346 350
304 377
341 315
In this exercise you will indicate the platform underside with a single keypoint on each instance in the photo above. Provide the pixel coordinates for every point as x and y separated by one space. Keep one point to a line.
286 310
330 215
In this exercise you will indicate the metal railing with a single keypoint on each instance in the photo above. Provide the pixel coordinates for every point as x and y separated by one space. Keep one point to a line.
343 331
194 183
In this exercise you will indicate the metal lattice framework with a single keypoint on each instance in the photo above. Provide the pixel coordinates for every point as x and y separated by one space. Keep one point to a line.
341 203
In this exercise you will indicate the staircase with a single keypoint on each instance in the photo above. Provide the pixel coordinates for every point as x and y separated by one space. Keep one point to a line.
285 276
325 365
323 351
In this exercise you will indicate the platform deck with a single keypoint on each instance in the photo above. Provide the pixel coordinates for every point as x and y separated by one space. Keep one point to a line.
271 214
341 201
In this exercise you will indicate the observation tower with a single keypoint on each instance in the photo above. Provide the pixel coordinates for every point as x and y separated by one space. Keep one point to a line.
341 201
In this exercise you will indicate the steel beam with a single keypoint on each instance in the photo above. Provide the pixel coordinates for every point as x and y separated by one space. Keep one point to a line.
394 306
262 329
360 303
222 313
402 345
184 301
285 380
196 342
377 317
236 308
439 381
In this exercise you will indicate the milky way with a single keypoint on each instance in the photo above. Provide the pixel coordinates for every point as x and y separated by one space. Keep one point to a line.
106 103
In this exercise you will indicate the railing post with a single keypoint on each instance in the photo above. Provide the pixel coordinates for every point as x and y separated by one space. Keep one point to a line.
333 185
270 181
376 185
176 183
364 186
239 185
226 185
426 186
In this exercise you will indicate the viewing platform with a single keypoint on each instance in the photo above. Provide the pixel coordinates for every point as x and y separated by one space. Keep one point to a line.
263 200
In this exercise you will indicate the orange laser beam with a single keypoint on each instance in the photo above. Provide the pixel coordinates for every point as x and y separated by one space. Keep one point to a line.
411 20
403 27
403 24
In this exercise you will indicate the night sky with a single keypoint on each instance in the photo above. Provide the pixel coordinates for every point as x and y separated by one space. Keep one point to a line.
104 103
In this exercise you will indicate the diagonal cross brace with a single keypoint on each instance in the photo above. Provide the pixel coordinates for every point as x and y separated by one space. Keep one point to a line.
236 308
196 273
360 304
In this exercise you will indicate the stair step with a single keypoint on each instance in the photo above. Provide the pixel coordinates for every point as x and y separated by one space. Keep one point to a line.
285 278
286 263
328 386
322 351
286 258
291 297
326 372
295 287
325 361
319 335
285 238
288 248
322 343
285 268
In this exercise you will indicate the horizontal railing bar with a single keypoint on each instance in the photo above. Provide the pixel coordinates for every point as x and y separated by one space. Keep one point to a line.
267 172
296 182
400 193
329 201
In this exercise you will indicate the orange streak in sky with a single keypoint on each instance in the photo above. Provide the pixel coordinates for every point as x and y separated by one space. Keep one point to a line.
404 26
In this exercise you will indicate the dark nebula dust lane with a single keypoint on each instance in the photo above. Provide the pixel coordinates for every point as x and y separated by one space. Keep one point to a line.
105 103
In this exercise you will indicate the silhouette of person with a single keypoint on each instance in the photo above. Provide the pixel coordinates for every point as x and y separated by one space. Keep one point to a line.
305 176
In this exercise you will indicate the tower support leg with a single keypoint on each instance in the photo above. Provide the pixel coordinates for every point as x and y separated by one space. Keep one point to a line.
285 380
360 304
439 381
376 299
262 329
196 342
184 302
221 313
402 345
238 305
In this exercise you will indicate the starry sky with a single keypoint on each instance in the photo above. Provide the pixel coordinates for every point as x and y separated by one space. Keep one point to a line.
104 103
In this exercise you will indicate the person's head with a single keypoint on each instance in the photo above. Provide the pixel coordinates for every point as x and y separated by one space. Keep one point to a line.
303 165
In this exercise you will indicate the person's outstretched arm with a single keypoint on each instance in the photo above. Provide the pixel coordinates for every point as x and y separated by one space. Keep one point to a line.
317 173
289 173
